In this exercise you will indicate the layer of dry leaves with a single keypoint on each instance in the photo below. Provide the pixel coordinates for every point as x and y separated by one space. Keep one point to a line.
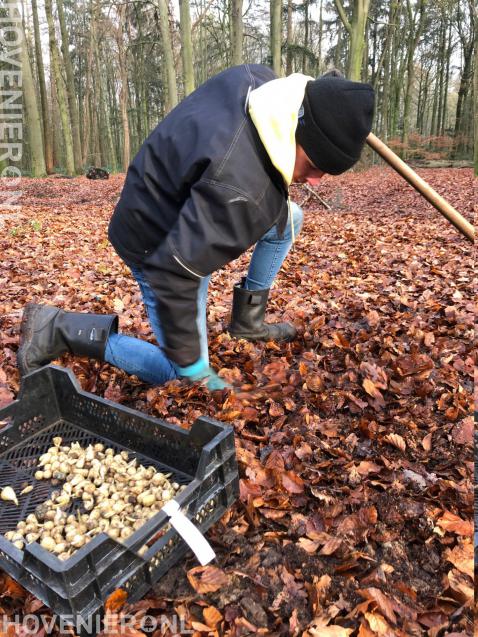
354 442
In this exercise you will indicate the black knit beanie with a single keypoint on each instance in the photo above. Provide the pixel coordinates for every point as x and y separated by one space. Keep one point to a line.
336 119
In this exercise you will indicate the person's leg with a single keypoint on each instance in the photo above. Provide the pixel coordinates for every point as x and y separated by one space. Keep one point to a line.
251 295
270 253
135 356
138 357
202 317
144 359
155 320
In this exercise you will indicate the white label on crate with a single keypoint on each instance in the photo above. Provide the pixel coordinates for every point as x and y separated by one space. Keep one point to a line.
190 534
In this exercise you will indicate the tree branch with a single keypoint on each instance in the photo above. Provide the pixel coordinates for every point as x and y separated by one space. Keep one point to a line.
200 18
387 24
343 16
322 201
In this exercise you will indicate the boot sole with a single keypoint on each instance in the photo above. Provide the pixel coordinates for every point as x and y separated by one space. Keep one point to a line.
26 335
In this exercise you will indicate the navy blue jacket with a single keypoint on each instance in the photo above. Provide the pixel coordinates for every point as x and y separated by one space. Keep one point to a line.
199 193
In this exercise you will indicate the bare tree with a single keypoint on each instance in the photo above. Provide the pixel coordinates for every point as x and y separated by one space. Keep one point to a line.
276 35
60 91
122 61
415 26
70 88
168 54
47 137
289 38
237 31
32 116
356 30
186 46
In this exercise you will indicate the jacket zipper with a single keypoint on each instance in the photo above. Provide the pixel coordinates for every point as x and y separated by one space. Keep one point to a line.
199 276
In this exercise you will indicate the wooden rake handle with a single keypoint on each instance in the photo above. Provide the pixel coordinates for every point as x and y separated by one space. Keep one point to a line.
453 216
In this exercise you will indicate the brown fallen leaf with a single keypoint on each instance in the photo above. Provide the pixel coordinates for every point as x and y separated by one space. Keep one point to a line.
371 389
364 631
200 627
462 586
462 432
314 382
33 604
331 546
118 306
340 340
367 466
328 631
454 524
427 442
294 623
461 556
396 440
412 364
373 318
207 579
292 482
275 409
212 616
6 397
310 546
379 625
360 522
11 588
116 601
318 594
384 604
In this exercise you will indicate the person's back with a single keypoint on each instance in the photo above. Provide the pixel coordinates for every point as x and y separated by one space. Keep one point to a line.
209 137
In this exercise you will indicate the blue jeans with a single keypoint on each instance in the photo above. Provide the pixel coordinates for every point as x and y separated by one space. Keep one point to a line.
148 361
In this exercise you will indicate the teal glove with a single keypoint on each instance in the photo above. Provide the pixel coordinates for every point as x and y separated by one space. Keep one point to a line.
200 370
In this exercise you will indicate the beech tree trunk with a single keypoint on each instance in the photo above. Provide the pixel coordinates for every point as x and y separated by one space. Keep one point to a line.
47 136
356 31
276 35
306 36
32 113
415 27
122 61
288 70
466 80
85 150
237 32
70 88
60 92
186 46
168 55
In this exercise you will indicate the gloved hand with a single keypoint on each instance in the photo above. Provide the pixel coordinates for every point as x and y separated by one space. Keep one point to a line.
200 370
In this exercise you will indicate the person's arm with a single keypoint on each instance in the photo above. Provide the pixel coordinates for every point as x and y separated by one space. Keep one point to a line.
216 224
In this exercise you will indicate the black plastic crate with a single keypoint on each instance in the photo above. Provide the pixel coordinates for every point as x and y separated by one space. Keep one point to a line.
51 403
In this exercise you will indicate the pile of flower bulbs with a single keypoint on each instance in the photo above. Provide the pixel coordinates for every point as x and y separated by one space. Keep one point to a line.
118 496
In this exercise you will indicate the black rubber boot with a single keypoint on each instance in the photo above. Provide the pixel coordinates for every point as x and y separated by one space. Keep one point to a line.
47 332
247 320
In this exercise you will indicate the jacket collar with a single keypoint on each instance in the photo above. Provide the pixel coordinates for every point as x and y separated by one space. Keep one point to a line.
274 108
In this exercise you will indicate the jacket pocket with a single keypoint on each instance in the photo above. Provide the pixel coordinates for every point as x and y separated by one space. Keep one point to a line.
186 267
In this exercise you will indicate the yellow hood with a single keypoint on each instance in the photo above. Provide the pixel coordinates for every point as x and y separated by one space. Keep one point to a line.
274 108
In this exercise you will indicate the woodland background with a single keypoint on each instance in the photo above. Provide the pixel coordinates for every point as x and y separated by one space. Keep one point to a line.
98 75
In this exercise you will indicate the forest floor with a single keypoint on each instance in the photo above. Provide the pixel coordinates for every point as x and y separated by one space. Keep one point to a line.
355 447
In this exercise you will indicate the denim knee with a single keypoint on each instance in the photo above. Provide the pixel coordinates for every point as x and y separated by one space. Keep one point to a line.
298 219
